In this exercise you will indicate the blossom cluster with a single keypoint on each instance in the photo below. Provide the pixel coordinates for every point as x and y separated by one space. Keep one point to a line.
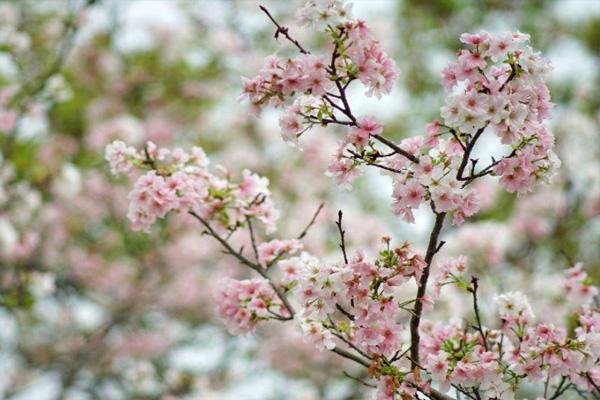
358 303
365 292
499 83
181 182
357 56
269 252
323 13
433 180
242 304
485 363
453 356
577 286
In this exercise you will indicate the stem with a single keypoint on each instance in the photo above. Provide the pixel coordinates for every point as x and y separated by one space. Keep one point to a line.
475 283
350 356
395 147
252 238
284 31
342 233
311 222
415 320
467 154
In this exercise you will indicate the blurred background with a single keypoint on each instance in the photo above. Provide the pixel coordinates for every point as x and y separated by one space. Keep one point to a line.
91 310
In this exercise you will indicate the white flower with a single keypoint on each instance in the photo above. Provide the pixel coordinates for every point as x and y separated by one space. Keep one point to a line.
513 305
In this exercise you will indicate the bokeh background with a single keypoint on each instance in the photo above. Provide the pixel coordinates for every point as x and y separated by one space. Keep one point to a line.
91 310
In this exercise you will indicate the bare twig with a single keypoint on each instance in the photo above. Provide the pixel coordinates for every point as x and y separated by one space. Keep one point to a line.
357 379
311 222
350 356
252 238
473 290
342 233
283 31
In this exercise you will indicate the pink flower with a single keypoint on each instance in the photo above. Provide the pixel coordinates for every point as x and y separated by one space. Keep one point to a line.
243 304
270 251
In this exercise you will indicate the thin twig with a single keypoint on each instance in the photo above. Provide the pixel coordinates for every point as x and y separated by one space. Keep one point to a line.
311 222
397 148
252 238
350 356
473 290
284 31
342 233
357 379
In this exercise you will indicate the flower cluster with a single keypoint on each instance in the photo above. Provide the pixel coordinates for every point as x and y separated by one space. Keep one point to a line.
357 56
485 363
242 304
357 301
499 83
181 182
449 271
577 286
269 252
323 13
432 180
514 310
456 357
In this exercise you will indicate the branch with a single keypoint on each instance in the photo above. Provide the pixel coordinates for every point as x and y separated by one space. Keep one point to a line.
361 381
311 222
415 320
252 238
475 283
467 154
284 31
350 356
342 233
396 148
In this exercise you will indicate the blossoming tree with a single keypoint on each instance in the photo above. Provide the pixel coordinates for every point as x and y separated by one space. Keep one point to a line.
368 306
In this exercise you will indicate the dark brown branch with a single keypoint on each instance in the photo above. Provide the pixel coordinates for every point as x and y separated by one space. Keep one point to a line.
361 381
453 132
415 320
252 238
513 73
346 313
473 290
396 148
467 154
559 389
374 164
283 31
311 222
350 356
591 381
342 233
